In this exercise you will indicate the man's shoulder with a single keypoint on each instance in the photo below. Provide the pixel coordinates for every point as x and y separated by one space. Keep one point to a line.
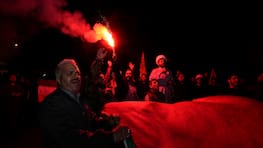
56 99
57 94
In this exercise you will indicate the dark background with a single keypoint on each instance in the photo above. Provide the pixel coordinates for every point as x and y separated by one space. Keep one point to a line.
193 36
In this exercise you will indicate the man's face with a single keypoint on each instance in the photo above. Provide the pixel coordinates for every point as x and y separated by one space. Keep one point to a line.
161 62
70 78
234 80
180 77
128 74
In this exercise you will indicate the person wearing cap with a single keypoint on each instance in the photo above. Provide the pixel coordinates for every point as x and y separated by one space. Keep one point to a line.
164 77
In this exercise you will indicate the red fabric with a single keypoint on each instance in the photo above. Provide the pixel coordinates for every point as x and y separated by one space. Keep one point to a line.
45 87
220 121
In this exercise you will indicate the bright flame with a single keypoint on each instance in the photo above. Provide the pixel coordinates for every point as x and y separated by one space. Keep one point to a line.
104 34
108 37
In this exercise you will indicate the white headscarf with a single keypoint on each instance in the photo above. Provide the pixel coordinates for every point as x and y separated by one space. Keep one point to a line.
161 56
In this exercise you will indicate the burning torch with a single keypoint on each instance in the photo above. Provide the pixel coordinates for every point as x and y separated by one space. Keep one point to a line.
107 35
104 34
109 39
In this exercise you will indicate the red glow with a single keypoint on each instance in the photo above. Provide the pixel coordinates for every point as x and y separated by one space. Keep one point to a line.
108 37
45 87
52 14
219 121
103 33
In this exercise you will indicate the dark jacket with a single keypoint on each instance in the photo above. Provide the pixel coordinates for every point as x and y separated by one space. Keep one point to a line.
66 123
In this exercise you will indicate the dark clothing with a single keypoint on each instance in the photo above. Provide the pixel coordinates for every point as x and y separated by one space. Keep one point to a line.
238 91
256 91
182 92
11 109
155 96
142 89
67 123
199 91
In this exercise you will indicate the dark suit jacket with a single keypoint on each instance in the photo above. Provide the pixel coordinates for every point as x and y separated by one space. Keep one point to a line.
65 123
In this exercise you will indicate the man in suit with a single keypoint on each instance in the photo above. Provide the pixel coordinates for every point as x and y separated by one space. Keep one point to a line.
66 121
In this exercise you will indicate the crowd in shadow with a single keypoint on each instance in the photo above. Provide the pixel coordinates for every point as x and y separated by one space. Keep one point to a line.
106 83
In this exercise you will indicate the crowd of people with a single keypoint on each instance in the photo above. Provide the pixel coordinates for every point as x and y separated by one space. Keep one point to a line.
71 116
161 84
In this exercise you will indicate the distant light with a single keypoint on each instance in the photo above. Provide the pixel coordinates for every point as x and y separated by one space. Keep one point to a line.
44 75
16 45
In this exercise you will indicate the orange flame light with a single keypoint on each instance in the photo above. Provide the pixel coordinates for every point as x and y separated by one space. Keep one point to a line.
108 37
104 34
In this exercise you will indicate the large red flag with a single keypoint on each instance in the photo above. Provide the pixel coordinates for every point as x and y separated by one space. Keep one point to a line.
210 122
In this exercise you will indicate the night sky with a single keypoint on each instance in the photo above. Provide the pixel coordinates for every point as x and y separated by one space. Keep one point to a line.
193 36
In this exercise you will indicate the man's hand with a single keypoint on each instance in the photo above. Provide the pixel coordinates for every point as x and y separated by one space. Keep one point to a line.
114 56
101 54
114 120
120 133
111 119
131 65
109 63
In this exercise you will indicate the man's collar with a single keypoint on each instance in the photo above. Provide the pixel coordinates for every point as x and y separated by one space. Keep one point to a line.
75 97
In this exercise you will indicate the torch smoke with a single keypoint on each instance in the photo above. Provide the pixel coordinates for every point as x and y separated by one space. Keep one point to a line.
52 14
